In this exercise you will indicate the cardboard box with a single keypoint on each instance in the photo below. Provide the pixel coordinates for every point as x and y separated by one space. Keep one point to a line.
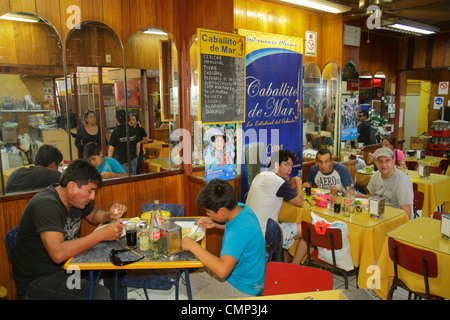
9 135
419 143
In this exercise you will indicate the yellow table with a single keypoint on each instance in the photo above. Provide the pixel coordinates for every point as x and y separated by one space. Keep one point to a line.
432 161
423 233
316 295
366 235
436 191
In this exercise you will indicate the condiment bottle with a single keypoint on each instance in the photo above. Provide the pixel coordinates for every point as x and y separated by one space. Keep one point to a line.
144 237
155 236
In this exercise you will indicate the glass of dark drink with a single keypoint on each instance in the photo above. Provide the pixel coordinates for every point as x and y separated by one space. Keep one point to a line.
308 189
131 231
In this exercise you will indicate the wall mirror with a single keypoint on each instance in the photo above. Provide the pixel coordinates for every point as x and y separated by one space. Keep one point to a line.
31 62
379 108
331 77
313 108
349 103
152 66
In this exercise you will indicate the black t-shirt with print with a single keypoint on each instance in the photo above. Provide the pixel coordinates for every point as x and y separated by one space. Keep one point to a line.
44 212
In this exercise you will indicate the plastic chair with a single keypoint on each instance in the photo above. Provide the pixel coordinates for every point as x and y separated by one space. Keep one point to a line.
274 240
411 165
438 215
435 170
332 240
415 186
10 243
443 165
159 279
418 202
285 278
416 260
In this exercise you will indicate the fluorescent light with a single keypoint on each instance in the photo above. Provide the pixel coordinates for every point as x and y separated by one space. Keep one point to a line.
155 31
20 17
411 27
320 5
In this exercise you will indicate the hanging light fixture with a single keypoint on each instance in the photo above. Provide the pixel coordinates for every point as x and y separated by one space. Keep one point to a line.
320 5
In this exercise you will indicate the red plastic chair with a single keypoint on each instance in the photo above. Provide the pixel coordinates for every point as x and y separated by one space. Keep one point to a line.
411 165
418 202
438 215
332 240
416 260
435 170
415 186
285 278
443 165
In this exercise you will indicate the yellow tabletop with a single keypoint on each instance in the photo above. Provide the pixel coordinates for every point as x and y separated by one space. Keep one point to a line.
432 161
436 191
316 295
366 234
423 233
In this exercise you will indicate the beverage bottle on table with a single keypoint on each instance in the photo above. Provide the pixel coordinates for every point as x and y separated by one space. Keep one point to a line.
155 237
352 198
337 200
159 215
144 237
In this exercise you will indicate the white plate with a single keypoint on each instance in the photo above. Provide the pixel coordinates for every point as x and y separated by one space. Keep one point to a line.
189 229
362 171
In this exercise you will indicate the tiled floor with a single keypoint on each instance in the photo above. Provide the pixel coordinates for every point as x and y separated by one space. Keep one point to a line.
338 283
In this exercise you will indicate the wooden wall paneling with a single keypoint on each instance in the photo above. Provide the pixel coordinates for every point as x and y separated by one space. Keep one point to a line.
50 11
23 5
149 18
441 52
130 18
332 32
92 10
67 17
5 7
420 52
112 16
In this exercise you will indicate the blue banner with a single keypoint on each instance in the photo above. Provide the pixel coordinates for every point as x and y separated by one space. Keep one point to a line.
273 102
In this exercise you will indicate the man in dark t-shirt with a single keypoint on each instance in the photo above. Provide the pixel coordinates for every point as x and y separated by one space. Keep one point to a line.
49 234
118 143
41 175
364 128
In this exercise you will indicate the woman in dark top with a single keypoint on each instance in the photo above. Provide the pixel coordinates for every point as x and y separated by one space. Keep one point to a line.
89 132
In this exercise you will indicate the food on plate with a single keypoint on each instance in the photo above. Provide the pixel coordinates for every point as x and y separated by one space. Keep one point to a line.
368 169
134 220
187 232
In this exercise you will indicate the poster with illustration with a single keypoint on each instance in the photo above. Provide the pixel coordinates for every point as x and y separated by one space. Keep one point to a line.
349 120
219 151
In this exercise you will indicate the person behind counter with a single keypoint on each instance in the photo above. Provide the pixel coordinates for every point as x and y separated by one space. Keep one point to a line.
89 132
108 167
265 197
49 234
133 122
364 128
117 148
239 271
327 174
41 175
390 183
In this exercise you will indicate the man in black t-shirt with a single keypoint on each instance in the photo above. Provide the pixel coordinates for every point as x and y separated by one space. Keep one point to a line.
49 234
364 128
118 143
41 175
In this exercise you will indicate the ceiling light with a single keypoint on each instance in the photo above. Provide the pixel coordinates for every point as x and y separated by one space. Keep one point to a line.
411 27
20 17
320 5
155 31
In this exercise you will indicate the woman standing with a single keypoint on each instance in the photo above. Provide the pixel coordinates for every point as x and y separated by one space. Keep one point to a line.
133 122
89 132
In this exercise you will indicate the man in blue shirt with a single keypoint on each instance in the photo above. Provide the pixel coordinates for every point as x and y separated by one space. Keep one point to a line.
329 175
108 167
239 271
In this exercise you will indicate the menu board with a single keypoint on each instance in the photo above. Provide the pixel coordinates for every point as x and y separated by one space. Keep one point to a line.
222 77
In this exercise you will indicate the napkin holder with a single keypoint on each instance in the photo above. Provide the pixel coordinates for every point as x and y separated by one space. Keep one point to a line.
376 207
424 171
445 226
420 154
173 238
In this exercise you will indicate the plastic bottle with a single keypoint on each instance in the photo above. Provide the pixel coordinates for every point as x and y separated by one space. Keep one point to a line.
144 237
155 237
352 198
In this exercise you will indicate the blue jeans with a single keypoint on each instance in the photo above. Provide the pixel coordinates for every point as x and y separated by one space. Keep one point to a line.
133 166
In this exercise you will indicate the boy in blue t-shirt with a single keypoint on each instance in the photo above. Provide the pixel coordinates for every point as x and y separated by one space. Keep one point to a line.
239 271
108 167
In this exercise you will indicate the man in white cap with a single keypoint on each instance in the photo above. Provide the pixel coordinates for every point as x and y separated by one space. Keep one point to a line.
391 183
